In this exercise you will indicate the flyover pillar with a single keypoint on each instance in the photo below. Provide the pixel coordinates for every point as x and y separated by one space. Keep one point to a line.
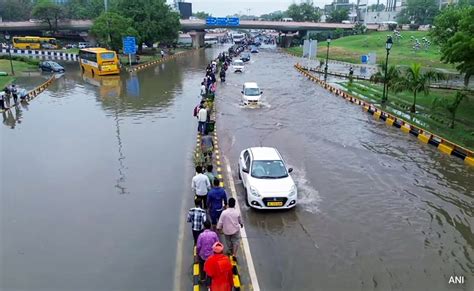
285 40
197 38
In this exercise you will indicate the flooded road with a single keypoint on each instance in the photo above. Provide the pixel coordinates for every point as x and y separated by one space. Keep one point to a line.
94 172
377 209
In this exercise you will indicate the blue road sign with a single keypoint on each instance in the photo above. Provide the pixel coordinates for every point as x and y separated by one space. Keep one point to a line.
223 21
364 59
233 21
129 45
211 21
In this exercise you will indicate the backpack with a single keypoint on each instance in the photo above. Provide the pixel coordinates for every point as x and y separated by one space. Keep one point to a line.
196 110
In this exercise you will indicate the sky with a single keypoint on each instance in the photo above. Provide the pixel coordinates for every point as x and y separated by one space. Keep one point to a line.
220 8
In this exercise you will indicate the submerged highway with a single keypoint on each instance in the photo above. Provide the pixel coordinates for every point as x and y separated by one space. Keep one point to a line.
96 175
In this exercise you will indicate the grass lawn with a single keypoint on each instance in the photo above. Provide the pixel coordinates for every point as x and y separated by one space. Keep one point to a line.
71 50
19 67
350 49
435 120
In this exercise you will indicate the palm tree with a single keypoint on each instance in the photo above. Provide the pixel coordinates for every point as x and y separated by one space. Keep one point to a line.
393 76
417 81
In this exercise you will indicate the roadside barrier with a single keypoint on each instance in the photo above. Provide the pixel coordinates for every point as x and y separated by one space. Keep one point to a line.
36 91
162 60
217 165
443 145
358 77
41 53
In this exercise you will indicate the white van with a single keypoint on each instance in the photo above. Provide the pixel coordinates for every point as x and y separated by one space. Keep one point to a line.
83 45
251 93
238 66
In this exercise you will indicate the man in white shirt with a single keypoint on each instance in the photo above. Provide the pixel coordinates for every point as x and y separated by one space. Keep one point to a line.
203 89
201 185
202 118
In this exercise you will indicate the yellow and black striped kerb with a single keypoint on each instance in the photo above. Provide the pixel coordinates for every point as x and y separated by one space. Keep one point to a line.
443 145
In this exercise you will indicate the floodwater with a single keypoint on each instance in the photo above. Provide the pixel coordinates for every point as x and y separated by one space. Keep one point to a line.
377 209
95 172
96 175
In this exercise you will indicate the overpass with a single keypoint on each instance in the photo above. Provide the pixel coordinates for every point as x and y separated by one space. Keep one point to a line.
195 27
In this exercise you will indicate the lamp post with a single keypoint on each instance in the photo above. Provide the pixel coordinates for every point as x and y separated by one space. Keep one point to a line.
388 46
7 37
327 59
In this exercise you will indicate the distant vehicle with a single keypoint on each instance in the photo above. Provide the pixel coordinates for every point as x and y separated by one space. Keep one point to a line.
346 22
287 19
99 61
238 66
83 45
251 93
266 179
211 39
245 57
34 42
238 38
254 50
193 18
49 66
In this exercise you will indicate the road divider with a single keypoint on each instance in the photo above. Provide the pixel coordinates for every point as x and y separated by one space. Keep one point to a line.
443 145
162 60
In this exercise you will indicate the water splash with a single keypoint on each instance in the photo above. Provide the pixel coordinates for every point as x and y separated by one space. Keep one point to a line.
308 196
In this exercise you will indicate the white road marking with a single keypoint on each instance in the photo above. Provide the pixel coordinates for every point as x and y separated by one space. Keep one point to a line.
243 233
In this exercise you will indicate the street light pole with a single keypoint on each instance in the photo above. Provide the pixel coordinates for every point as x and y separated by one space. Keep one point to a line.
7 37
388 46
327 59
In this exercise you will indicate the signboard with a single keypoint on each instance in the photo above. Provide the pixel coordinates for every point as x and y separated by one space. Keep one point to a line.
223 21
372 58
364 59
129 45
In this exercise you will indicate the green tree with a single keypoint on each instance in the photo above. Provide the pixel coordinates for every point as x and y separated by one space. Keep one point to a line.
455 35
15 10
115 26
202 15
451 107
305 11
338 15
416 81
152 19
48 12
84 9
393 76
420 11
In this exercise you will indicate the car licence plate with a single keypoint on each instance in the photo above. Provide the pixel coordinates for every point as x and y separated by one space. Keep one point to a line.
275 204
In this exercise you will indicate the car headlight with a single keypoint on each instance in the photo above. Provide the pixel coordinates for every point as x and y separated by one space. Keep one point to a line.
292 191
254 192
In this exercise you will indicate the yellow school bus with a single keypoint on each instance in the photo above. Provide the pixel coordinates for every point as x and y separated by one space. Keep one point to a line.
99 61
34 42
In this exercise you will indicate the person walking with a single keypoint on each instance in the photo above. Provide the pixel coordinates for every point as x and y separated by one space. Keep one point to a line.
210 175
219 268
202 118
200 185
162 52
205 241
196 216
207 146
203 89
216 202
230 223
14 93
2 100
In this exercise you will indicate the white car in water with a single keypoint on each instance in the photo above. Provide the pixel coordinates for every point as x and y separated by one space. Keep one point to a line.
266 180
238 66
251 93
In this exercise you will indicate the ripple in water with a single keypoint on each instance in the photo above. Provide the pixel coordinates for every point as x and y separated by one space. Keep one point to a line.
308 196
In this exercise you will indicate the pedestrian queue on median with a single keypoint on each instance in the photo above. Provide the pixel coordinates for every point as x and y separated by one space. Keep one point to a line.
213 218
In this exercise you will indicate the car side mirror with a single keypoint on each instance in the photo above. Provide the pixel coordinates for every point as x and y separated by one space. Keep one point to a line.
242 92
261 92
245 170
290 170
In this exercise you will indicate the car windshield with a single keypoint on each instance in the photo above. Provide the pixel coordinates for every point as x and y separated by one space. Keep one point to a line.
268 170
237 63
55 65
252 91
